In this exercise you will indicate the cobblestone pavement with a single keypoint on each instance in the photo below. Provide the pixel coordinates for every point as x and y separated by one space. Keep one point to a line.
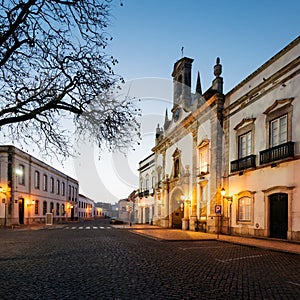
101 262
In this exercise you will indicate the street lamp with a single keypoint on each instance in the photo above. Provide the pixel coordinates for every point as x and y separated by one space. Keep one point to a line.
229 199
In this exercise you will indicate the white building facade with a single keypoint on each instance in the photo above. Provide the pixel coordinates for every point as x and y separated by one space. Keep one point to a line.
230 163
262 141
188 153
86 208
31 190
147 185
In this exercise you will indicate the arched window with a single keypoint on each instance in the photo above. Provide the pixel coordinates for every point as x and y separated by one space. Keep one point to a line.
45 182
21 174
36 207
37 179
51 185
51 207
44 207
176 167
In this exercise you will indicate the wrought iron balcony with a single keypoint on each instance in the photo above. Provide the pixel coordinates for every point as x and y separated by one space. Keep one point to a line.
243 163
276 153
146 193
141 194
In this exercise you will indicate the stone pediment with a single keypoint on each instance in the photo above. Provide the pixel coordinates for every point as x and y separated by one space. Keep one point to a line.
244 122
278 103
203 143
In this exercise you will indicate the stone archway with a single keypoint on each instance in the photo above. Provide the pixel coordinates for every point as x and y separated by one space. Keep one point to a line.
176 210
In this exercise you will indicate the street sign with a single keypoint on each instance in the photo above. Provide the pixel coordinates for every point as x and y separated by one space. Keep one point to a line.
218 209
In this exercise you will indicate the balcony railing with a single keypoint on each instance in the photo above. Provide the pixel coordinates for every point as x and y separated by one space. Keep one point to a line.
277 153
141 194
146 193
243 163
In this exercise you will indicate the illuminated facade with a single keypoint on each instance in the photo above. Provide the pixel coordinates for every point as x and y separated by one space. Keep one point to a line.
188 153
87 209
230 163
30 190
262 138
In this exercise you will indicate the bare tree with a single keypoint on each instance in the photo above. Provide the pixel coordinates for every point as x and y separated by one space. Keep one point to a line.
54 67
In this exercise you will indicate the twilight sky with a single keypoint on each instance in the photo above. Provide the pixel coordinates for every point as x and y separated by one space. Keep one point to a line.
147 39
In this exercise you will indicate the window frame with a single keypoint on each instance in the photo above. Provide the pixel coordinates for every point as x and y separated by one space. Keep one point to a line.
45 182
238 197
244 209
36 179
57 188
36 207
272 115
243 129
21 176
204 158
51 184
63 188
45 204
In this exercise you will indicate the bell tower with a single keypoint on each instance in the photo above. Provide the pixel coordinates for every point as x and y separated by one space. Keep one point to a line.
182 82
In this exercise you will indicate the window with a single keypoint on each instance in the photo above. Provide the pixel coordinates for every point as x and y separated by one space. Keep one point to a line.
57 187
69 192
57 209
37 179
279 122
153 181
278 131
51 185
204 159
244 209
176 168
51 207
63 209
45 182
36 207
44 207
141 184
245 144
63 189
72 193
76 192
21 174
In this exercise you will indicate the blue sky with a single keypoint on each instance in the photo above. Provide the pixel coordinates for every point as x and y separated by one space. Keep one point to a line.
147 40
148 35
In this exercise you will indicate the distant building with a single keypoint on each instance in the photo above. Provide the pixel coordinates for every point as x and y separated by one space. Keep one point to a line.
86 208
147 184
103 209
31 190
125 209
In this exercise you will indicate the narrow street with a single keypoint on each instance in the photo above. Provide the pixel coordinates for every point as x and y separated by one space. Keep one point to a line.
92 260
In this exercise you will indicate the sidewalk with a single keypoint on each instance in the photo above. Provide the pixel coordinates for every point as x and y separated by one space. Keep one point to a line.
163 234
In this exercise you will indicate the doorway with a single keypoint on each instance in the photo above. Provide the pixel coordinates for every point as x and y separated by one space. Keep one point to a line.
21 211
278 215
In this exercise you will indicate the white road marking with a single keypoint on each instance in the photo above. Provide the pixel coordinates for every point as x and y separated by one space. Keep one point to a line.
238 258
294 283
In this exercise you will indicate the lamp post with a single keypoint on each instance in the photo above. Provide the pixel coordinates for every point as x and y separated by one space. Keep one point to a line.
229 199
